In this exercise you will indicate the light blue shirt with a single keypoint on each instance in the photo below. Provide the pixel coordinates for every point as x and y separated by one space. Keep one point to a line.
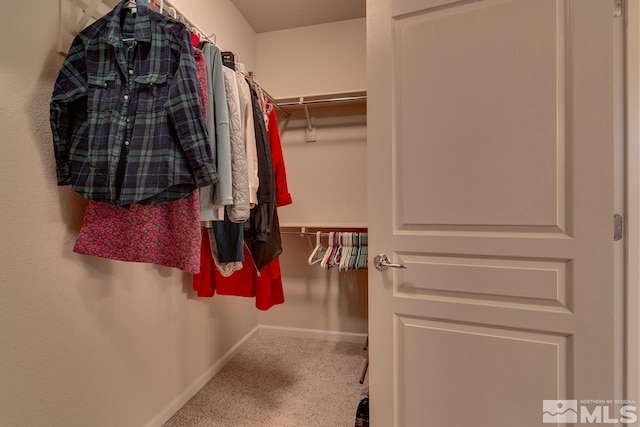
219 137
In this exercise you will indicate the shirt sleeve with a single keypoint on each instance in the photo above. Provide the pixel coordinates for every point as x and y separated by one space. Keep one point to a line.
68 107
185 109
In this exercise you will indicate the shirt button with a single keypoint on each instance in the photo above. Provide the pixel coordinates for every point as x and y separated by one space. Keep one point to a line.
126 143
130 71
126 97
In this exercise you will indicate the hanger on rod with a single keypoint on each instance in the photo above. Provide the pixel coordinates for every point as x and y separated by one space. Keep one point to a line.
228 56
271 98
318 252
131 4
347 250
328 255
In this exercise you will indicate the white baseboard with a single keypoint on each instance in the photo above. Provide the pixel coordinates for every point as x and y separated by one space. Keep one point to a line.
179 401
312 333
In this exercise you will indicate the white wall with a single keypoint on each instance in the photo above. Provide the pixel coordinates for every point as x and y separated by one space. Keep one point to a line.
327 178
86 341
312 60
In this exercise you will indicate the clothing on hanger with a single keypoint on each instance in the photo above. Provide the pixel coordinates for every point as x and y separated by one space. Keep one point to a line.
260 275
217 116
248 134
265 287
143 196
239 210
167 234
261 218
130 110
137 102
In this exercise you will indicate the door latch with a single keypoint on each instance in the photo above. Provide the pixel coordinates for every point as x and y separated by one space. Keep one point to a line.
618 222
382 263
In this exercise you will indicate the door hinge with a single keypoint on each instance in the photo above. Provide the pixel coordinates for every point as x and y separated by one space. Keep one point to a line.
617 8
618 222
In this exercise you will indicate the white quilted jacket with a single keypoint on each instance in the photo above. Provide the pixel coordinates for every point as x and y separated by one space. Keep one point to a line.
239 210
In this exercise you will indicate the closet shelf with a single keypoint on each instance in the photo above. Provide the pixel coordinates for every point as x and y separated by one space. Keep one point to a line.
327 105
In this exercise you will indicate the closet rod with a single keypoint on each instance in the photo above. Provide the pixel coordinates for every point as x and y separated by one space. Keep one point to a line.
302 233
323 101
324 234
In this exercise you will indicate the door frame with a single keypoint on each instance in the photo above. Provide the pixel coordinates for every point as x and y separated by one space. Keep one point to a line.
632 266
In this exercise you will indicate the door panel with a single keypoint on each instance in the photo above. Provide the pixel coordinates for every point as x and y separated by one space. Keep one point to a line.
532 284
490 161
435 352
492 131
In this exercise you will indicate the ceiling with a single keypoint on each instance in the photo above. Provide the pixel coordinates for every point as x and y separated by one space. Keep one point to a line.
275 15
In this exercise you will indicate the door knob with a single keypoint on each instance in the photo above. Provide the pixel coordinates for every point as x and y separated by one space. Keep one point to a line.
383 263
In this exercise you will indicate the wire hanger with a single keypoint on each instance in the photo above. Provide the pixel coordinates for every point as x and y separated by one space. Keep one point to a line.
326 260
336 252
346 251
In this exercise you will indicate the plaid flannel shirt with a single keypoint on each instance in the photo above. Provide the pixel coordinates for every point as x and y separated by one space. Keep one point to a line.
136 99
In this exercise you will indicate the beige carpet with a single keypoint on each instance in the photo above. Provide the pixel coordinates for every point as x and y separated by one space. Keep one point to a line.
281 382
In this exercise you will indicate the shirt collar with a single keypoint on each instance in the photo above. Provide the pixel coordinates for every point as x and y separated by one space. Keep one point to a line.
142 31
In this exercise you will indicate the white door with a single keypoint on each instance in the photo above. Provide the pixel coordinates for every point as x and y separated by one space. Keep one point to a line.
490 169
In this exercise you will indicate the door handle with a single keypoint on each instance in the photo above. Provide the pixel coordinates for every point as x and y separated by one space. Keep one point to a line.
382 263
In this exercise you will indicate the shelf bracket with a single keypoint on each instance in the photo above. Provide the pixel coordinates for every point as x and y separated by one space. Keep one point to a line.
310 129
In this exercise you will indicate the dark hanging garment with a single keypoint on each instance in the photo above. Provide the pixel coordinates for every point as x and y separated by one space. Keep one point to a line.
259 225
266 190
262 231
264 253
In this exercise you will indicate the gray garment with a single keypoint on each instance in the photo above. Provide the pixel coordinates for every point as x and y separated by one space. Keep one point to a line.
239 210
218 125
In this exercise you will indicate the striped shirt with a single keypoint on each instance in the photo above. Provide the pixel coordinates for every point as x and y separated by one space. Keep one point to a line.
126 115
